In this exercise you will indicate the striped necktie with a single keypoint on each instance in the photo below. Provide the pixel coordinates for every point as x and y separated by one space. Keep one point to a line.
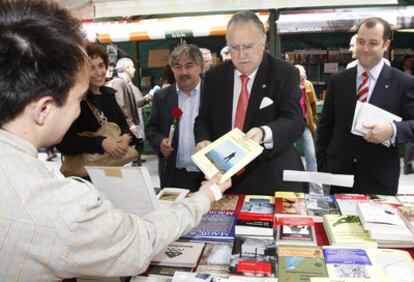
363 88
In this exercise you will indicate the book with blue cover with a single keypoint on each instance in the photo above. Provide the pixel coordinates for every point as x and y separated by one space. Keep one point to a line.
215 226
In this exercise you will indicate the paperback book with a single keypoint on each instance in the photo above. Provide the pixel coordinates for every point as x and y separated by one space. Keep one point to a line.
384 199
300 264
349 263
253 257
347 231
319 205
406 199
407 215
215 226
182 254
257 207
227 155
347 203
290 203
257 228
295 231
215 259
229 202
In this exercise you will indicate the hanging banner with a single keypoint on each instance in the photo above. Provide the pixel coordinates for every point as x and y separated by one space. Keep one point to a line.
334 20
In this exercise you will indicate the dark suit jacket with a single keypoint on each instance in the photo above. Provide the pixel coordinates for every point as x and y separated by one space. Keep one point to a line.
277 80
158 128
376 167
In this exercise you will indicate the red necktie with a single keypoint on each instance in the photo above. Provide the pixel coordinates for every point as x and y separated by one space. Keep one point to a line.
363 88
242 103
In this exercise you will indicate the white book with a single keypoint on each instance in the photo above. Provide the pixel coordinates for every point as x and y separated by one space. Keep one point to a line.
367 113
227 155
128 188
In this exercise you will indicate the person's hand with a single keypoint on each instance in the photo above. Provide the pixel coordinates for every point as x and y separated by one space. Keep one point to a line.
133 128
379 132
165 148
205 186
113 149
123 141
202 144
148 98
255 134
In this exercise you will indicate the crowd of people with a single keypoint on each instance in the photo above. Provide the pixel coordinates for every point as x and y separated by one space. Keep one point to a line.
55 227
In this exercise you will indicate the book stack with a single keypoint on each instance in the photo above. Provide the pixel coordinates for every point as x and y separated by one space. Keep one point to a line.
384 225
347 231
295 231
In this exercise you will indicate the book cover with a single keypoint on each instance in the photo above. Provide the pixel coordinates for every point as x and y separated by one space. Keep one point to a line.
319 205
392 265
183 254
214 226
346 230
291 195
347 203
295 231
257 207
300 264
349 263
192 276
227 155
250 227
168 195
253 257
229 202
289 206
215 259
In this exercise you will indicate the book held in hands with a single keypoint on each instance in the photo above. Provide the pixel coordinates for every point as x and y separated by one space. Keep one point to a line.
227 155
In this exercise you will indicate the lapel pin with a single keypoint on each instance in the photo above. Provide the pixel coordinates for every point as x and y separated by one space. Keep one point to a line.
386 86
264 86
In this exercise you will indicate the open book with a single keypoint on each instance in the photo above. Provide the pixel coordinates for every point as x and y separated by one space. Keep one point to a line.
368 113
227 155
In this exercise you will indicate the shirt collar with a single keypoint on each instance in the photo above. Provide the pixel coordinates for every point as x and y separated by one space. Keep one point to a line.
373 72
250 76
17 142
193 92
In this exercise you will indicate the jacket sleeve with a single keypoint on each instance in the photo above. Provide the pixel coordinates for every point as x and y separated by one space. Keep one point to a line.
153 128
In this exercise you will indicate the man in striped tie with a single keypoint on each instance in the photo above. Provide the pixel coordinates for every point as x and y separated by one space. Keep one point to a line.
376 168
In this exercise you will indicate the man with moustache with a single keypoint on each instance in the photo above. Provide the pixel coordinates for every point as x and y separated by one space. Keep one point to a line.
175 167
376 168
260 95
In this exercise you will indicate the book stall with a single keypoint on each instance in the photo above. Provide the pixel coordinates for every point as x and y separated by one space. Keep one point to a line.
295 237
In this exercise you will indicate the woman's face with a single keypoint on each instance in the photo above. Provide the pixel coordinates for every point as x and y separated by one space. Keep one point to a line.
98 73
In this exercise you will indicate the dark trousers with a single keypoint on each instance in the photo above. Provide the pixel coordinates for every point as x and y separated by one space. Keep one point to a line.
187 179
409 153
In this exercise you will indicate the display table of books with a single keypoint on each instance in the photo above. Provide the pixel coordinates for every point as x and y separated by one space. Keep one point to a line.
295 237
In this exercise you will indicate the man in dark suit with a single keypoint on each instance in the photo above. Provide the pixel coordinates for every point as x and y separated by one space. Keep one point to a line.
260 95
175 167
376 168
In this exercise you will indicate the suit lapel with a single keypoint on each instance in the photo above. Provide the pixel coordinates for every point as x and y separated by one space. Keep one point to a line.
259 89
173 103
226 101
382 87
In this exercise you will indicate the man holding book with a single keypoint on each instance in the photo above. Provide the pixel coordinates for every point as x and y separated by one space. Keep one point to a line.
258 94
52 227
376 168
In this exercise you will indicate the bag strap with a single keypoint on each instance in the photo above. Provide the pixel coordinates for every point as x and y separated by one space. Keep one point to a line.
99 115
